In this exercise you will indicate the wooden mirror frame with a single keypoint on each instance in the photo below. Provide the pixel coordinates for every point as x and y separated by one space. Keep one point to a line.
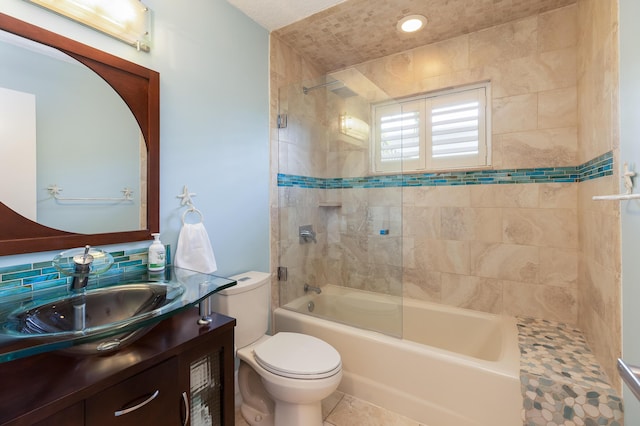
139 87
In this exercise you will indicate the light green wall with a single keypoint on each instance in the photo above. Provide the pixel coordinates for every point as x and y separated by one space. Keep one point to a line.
214 107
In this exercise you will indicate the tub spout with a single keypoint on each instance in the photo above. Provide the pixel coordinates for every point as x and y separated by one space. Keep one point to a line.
308 288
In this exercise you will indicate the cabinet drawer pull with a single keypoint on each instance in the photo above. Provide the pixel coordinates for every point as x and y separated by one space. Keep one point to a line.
185 399
135 407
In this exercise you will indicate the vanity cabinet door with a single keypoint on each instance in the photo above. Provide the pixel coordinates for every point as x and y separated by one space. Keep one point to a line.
206 382
201 377
148 398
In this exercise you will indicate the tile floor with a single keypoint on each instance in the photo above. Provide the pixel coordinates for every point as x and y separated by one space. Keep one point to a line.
345 410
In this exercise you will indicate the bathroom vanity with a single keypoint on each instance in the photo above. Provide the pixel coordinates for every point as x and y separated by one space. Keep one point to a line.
178 371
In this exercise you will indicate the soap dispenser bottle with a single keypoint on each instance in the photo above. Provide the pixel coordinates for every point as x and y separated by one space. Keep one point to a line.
157 255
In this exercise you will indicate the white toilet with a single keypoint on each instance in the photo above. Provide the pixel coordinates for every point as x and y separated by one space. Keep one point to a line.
282 378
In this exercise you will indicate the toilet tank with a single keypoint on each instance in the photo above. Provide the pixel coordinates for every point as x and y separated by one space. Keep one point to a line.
248 302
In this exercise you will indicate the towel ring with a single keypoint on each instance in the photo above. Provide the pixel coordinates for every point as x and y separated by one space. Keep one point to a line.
192 210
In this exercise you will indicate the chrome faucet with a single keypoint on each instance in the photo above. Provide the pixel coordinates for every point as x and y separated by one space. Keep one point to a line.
308 288
82 268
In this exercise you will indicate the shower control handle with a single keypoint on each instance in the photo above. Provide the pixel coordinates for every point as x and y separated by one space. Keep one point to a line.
307 234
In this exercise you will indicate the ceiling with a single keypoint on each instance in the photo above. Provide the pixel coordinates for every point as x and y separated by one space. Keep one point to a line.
335 34
274 14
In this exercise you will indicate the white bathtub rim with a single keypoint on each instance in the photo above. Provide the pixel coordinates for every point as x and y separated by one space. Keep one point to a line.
395 300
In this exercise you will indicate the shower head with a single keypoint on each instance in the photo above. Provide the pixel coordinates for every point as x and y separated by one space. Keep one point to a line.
336 86
343 91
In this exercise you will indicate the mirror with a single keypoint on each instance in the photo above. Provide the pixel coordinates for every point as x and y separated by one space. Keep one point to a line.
61 178
97 161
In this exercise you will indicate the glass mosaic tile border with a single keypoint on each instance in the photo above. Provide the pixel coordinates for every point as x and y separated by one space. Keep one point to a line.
37 276
598 167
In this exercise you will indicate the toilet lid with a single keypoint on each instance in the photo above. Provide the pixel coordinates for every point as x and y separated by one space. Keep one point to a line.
298 356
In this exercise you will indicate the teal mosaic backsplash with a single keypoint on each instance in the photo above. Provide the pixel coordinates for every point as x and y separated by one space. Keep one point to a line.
598 167
42 275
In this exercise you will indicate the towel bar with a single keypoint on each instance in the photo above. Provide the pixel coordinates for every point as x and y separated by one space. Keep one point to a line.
619 197
54 191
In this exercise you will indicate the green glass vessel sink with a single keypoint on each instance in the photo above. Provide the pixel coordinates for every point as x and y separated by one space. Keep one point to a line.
112 312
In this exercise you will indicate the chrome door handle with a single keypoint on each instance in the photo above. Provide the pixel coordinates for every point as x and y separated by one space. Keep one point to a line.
631 376
185 400
135 407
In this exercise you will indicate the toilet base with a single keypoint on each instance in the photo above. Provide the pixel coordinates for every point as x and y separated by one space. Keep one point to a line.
285 415
298 414
255 417
256 405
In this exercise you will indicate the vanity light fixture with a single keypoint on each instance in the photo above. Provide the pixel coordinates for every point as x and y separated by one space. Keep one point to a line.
127 20
354 127
411 23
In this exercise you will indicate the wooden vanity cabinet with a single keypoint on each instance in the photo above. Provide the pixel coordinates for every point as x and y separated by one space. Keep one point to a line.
177 371
70 416
150 397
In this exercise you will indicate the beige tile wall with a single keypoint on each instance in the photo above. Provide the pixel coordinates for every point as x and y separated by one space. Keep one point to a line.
511 249
515 249
599 314
496 248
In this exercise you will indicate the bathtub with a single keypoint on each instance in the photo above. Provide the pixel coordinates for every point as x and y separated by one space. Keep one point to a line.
452 366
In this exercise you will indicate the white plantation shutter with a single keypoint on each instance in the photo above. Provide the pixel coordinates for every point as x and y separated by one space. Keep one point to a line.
454 130
439 131
458 129
400 137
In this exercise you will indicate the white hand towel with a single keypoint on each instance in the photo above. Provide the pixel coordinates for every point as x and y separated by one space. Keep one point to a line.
194 251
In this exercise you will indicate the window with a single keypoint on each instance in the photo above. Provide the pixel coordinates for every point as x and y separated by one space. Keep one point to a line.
443 130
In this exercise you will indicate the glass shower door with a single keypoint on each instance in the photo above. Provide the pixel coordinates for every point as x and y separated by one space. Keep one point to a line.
354 256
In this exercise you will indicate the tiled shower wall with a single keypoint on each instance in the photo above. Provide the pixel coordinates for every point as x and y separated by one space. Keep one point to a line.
599 267
514 249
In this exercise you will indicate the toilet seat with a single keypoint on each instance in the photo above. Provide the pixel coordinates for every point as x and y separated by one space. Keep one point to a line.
298 356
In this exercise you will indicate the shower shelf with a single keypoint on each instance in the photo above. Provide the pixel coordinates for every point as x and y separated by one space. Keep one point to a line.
330 204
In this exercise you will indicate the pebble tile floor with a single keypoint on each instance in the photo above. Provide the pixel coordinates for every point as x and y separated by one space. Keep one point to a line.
561 381
345 410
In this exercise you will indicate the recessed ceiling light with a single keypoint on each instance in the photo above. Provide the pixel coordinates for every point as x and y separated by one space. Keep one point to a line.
411 23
